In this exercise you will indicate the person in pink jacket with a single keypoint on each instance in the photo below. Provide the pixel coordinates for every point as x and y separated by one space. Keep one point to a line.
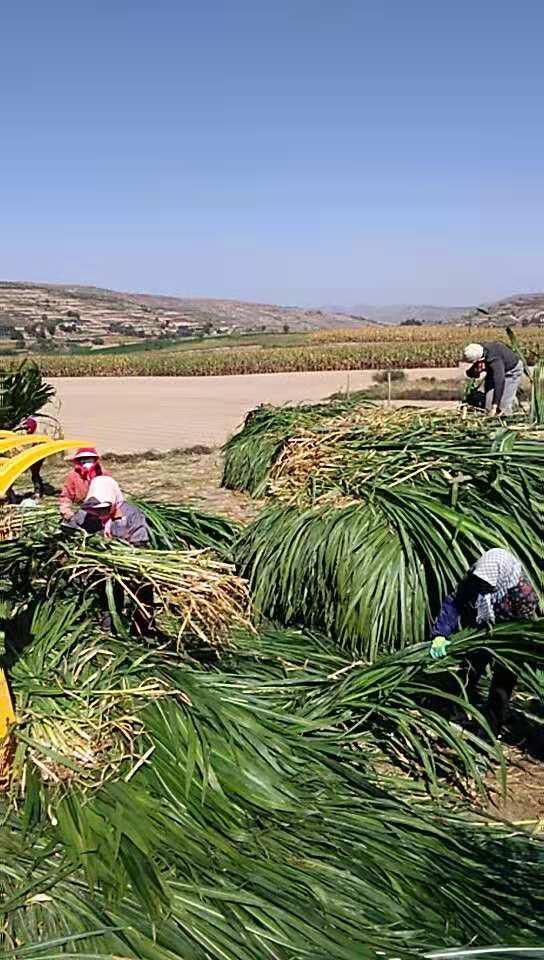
86 466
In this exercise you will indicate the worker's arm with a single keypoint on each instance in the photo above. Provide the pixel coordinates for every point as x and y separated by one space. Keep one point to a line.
470 589
496 373
447 621
76 520
137 530
475 371
449 617
71 526
82 520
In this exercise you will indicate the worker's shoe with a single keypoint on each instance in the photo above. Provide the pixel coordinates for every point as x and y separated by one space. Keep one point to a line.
497 711
535 744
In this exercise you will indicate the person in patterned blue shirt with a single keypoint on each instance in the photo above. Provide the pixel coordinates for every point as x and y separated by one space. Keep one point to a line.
495 589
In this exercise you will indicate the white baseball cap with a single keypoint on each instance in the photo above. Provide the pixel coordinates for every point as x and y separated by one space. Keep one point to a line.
473 352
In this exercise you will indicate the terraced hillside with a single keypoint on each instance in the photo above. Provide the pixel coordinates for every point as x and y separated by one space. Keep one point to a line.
61 316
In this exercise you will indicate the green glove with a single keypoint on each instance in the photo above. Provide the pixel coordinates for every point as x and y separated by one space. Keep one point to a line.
439 647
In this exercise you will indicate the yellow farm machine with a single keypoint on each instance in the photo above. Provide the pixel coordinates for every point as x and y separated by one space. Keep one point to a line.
18 452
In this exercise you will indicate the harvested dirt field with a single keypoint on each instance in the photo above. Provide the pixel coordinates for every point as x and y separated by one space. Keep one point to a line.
523 802
131 414
178 477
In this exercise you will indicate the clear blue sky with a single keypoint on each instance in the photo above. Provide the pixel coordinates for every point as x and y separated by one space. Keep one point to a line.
294 151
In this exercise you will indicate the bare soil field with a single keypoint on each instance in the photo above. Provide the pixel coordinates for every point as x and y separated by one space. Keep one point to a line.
133 414
190 477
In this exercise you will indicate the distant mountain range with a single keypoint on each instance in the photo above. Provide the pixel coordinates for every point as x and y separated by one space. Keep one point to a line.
73 314
527 308
397 313
522 308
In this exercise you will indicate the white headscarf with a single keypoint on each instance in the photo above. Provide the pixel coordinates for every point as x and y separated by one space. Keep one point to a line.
502 571
105 490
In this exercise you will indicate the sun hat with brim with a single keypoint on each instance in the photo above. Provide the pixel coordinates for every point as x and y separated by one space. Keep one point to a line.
85 453
93 504
105 490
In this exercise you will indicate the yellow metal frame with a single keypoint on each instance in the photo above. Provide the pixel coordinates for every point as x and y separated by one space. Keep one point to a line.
40 447
23 440
7 713
11 467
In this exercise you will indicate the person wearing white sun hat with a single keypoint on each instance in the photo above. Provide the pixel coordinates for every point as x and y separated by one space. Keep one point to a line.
503 372
105 511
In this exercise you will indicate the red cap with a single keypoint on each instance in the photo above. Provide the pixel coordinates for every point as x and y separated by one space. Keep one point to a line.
84 453
31 424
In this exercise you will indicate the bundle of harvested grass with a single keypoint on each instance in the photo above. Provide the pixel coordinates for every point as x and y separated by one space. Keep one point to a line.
15 521
396 447
346 571
397 708
371 573
175 525
250 453
79 700
201 596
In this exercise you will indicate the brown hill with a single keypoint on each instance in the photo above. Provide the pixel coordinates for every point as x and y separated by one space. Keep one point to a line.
523 309
80 313
399 313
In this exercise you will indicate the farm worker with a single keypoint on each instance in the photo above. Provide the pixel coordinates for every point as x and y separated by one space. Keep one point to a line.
110 514
86 466
106 511
30 425
495 589
503 373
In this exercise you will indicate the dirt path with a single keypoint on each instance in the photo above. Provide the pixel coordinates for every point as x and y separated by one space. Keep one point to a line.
191 478
131 414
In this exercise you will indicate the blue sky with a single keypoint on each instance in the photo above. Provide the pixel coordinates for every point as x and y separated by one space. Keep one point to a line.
293 151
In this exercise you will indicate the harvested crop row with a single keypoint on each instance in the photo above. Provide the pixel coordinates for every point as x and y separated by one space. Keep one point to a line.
195 595
427 333
315 356
250 453
394 447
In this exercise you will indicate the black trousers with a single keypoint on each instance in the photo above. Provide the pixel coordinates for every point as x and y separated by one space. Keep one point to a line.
35 473
503 682
37 483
